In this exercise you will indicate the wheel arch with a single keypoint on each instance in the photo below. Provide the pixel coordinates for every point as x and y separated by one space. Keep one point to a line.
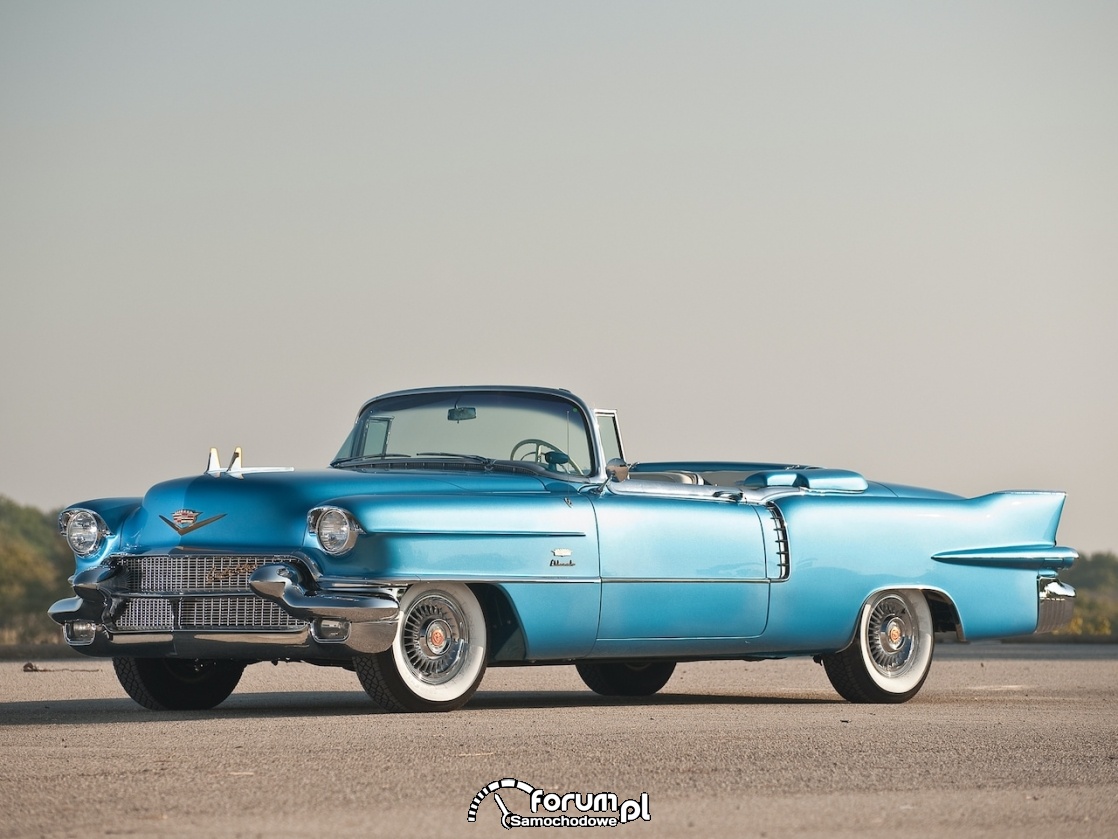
891 653
945 614
506 634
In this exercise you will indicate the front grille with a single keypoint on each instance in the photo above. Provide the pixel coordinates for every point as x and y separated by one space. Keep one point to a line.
238 612
203 592
151 614
186 574
146 613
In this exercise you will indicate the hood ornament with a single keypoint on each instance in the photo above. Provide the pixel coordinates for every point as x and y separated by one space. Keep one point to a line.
235 469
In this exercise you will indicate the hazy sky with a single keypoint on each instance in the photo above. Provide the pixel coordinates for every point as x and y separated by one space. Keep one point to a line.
879 236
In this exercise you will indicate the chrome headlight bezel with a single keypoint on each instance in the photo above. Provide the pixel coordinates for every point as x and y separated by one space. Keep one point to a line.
84 530
335 528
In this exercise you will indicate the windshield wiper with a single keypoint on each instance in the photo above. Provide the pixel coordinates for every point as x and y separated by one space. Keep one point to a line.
364 458
489 463
476 458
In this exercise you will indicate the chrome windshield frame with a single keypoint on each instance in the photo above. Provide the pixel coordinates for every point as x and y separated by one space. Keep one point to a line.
596 471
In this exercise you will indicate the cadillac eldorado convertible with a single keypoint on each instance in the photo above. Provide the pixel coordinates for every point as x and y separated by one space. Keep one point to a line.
471 527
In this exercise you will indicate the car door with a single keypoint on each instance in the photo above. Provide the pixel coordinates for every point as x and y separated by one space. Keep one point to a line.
678 562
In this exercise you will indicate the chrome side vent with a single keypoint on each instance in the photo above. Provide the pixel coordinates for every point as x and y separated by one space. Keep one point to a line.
777 542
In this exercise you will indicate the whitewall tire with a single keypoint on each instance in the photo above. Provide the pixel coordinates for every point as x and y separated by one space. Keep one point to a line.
892 651
438 657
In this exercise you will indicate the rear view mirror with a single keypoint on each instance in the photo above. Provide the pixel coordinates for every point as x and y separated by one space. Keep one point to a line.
459 414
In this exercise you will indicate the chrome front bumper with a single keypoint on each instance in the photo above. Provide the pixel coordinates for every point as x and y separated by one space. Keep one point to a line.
1057 601
300 624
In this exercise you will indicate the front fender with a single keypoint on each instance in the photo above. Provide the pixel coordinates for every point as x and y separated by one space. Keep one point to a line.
114 512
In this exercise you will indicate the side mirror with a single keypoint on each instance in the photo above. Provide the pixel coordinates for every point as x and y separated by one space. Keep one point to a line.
617 469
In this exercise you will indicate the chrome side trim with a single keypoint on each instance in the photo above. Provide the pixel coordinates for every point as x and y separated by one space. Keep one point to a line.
704 580
1013 556
430 531
703 492
335 584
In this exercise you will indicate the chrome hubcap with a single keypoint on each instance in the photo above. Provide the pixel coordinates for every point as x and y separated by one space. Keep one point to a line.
891 635
435 639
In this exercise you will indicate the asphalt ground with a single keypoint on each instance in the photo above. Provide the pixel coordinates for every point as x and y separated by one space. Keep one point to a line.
1005 740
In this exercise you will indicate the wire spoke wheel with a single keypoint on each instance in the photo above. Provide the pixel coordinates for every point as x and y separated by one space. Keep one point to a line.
435 639
438 657
891 636
891 653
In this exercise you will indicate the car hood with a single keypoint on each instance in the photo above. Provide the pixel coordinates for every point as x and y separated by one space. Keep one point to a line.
267 511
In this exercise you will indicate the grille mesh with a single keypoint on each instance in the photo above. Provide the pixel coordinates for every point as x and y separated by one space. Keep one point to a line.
198 592
146 613
247 612
219 612
186 574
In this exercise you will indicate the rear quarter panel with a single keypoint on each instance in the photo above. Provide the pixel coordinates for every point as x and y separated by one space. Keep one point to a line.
843 548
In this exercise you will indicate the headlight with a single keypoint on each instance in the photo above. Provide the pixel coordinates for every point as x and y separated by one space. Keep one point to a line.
84 530
335 529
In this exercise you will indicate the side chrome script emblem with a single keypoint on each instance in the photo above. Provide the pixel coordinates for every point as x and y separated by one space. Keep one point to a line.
184 521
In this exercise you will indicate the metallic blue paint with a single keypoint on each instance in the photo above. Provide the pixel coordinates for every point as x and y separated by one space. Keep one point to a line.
685 560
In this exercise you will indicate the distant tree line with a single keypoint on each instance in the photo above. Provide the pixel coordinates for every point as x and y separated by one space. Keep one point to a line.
1095 579
35 564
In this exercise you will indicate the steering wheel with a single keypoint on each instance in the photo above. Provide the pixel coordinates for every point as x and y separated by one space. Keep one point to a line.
538 455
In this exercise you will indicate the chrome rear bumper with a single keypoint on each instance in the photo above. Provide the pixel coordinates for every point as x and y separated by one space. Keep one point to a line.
1057 601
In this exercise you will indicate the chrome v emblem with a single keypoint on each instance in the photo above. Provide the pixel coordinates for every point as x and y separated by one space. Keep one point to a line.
184 521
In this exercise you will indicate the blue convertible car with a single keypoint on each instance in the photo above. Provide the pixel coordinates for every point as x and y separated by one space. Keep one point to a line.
462 528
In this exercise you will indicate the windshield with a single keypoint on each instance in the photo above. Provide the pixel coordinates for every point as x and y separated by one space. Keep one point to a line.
532 428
